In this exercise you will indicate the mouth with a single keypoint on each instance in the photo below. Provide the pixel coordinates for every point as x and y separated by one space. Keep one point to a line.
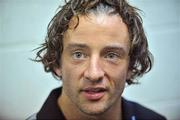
94 94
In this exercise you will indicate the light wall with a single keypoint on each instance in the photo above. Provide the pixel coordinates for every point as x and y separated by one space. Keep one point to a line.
24 85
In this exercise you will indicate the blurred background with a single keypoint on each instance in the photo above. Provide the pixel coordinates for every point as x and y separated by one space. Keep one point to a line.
24 85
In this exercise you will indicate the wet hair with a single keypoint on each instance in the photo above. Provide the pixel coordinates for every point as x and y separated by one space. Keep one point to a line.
51 50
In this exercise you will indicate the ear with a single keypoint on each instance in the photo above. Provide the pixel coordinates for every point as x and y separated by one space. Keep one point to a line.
58 71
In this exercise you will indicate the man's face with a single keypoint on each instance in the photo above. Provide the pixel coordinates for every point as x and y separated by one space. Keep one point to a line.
94 64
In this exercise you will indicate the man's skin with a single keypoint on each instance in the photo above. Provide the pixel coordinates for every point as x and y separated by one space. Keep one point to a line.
94 67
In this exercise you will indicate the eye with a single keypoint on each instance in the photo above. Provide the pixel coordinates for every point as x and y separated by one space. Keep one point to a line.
112 56
78 55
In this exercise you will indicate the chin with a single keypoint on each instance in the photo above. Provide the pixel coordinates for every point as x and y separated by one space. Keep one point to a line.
94 111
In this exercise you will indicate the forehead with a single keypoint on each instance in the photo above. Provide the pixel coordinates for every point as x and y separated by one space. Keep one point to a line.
97 30
101 20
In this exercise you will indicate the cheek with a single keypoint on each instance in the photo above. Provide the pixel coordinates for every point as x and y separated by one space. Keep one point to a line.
117 75
68 81
71 74
120 79
118 72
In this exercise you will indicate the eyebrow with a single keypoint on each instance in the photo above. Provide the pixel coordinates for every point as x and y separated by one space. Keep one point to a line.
116 47
76 45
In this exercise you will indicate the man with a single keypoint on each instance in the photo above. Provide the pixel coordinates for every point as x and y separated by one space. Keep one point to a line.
95 47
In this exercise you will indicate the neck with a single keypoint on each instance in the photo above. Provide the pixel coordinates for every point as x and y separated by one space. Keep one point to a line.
71 112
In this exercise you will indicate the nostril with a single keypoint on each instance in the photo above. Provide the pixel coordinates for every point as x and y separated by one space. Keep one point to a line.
94 80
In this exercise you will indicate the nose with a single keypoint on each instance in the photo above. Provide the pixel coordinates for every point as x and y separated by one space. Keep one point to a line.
94 71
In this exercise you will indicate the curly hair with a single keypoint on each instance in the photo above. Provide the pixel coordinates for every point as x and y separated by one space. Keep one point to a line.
140 57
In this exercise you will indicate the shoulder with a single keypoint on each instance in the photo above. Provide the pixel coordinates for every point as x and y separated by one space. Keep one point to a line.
49 108
140 112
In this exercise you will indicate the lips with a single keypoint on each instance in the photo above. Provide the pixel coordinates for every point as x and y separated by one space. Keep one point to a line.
94 94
